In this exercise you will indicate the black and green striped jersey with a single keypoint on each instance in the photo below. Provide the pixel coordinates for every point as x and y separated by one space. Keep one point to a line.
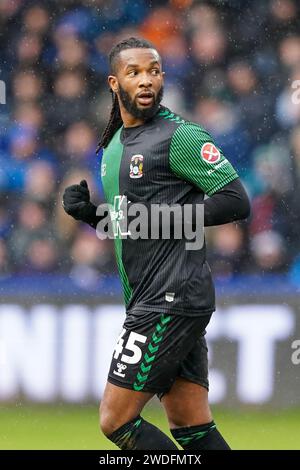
167 160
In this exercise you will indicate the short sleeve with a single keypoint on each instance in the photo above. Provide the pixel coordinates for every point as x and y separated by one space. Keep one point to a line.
195 158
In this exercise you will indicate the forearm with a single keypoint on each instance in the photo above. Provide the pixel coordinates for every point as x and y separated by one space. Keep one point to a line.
227 205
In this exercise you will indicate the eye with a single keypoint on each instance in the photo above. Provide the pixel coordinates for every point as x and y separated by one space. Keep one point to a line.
155 71
132 73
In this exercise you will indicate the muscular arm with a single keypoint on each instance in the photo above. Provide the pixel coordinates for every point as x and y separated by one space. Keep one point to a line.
226 205
195 158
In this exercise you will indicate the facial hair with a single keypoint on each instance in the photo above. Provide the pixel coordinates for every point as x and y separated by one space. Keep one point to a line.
132 108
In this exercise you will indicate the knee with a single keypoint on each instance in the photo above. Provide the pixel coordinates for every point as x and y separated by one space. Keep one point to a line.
183 419
177 422
107 422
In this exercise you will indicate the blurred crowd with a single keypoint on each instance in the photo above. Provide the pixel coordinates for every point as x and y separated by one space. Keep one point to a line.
231 66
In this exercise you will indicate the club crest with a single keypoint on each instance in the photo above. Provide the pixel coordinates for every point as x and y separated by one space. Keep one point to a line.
136 166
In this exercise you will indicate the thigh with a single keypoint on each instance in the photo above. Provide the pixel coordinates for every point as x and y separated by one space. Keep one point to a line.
120 405
186 404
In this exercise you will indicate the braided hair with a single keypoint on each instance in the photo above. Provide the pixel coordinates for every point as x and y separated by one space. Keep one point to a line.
115 120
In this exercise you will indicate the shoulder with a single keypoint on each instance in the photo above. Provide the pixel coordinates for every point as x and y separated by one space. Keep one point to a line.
165 114
114 142
168 121
191 132
179 128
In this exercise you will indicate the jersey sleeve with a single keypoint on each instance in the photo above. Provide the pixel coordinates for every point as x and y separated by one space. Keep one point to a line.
195 158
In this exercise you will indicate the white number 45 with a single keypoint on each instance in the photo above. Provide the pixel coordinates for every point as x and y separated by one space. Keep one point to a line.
131 346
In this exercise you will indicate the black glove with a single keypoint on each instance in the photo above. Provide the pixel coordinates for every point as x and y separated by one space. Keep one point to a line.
76 202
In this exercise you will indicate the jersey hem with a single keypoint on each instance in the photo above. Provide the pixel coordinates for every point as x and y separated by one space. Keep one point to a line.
170 310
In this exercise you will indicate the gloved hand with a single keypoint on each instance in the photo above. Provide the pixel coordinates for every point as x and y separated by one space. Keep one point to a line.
76 202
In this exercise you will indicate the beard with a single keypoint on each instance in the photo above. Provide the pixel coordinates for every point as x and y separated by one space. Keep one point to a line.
132 108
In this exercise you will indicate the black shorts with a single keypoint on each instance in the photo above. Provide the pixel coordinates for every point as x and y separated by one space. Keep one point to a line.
153 349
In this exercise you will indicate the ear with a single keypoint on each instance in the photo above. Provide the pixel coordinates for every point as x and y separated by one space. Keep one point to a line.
113 83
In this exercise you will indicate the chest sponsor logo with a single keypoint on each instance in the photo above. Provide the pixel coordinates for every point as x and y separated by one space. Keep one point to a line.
136 166
210 153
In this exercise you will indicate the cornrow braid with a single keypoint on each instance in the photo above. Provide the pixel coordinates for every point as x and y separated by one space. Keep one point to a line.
115 120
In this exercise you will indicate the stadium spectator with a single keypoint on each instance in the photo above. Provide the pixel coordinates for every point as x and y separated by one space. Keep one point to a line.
229 67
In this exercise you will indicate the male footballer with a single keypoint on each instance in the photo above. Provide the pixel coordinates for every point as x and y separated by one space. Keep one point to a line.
153 155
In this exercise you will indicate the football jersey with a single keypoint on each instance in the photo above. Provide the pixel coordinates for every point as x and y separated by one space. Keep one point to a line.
166 160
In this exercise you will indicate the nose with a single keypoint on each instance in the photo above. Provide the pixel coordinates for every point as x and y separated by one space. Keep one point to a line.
145 80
